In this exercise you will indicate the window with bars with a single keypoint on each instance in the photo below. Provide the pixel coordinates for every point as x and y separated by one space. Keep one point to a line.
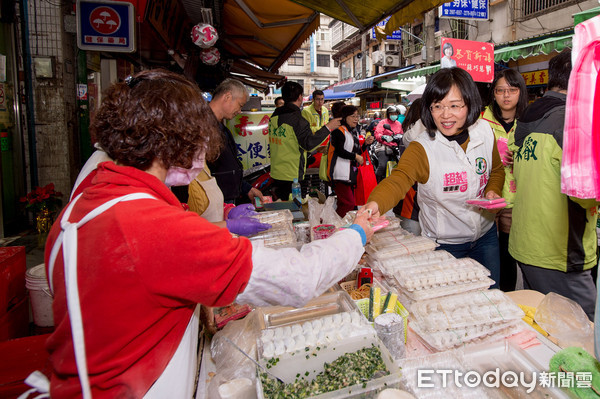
296 59
530 8
321 84
323 60
459 29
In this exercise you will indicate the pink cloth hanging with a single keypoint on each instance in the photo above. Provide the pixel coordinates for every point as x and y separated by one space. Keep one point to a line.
580 175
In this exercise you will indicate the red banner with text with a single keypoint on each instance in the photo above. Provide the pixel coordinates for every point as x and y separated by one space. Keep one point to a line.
477 58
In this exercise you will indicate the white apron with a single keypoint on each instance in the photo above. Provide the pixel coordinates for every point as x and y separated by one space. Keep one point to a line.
214 212
177 380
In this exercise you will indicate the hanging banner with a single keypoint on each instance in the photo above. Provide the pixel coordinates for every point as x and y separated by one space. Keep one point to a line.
251 134
106 26
477 58
536 77
465 9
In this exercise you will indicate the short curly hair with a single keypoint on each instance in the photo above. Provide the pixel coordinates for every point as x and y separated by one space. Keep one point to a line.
156 114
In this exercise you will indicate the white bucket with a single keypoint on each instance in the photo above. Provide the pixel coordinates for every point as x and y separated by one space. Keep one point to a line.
39 294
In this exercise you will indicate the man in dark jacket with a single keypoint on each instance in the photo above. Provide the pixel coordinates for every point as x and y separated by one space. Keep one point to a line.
290 138
227 101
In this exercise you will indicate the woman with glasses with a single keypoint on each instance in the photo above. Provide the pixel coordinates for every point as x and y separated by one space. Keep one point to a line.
508 100
344 158
456 161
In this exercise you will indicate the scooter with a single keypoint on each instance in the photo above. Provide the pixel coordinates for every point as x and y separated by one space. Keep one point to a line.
395 151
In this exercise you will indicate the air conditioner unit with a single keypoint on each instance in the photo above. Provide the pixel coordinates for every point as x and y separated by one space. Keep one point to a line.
391 60
378 57
391 47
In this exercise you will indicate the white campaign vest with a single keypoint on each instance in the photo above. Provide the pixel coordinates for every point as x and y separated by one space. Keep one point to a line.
456 176
342 166
177 380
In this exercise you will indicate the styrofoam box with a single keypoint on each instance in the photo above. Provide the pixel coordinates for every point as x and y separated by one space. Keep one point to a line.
313 360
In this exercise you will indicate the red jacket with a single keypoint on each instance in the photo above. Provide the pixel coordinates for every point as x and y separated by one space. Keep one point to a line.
143 265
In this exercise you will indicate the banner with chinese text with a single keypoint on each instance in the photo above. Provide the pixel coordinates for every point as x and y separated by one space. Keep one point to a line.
477 58
536 77
251 134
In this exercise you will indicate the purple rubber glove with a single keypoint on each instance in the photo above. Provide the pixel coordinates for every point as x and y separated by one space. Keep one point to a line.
241 211
246 226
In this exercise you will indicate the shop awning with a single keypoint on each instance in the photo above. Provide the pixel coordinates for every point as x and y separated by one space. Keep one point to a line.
406 14
359 13
267 32
585 15
332 95
544 46
368 83
428 70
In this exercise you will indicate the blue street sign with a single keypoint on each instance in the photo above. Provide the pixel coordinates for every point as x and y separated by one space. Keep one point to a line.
465 9
106 26
396 35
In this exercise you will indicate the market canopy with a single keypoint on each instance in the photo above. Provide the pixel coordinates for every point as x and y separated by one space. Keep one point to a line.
406 14
544 46
426 71
368 83
332 95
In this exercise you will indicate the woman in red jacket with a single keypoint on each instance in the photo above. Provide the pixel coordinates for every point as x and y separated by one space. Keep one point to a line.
128 266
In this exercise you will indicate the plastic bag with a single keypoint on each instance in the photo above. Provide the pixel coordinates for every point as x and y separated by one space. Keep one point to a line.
565 320
230 363
323 213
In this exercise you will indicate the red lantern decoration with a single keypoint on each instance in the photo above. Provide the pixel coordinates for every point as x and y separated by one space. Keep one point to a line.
204 35
210 56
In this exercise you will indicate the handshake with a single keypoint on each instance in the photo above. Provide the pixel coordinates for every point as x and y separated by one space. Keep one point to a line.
240 221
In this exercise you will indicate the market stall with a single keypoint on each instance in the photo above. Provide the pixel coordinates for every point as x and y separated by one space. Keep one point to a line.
409 322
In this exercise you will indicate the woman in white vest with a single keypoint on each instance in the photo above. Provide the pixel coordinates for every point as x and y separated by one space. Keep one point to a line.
344 159
456 161
128 266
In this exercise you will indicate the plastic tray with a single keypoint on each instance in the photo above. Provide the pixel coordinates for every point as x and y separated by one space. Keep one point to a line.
388 236
410 245
309 334
275 217
438 292
310 363
391 265
477 308
279 235
447 339
451 271
326 304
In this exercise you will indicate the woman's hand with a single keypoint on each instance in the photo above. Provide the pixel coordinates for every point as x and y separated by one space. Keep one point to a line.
363 220
359 159
369 140
372 208
493 195
508 157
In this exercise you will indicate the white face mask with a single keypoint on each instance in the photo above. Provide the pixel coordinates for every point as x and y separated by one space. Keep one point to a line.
177 176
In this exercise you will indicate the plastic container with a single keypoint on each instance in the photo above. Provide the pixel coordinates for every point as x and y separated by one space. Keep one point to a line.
390 330
39 294
296 190
363 305
323 231
311 363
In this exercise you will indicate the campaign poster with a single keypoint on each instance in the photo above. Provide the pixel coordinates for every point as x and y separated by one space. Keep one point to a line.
251 134
477 58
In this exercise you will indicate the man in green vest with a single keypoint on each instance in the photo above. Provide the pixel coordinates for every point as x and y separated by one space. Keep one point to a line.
553 236
317 115
290 138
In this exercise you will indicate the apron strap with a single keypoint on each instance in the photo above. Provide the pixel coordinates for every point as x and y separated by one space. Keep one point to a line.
68 239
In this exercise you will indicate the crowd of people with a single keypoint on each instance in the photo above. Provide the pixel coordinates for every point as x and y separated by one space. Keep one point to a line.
126 318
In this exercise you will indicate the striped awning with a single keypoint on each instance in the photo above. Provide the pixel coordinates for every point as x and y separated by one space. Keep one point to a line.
544 46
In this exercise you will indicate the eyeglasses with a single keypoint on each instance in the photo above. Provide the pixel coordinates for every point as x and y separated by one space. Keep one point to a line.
502 90
439 108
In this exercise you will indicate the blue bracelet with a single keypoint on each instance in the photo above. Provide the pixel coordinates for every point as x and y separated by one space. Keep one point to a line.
361 231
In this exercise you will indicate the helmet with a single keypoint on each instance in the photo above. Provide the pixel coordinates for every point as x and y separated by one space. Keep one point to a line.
376 115
391 110
401 109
